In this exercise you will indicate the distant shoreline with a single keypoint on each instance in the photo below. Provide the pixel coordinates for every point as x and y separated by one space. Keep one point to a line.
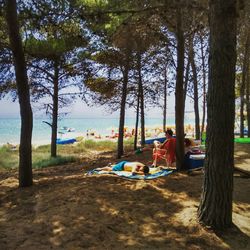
10 128
152 131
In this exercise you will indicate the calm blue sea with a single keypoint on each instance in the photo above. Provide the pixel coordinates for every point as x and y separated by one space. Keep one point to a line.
10 127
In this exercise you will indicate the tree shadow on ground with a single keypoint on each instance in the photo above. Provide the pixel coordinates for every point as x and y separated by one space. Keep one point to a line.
234 238
101 212
65 209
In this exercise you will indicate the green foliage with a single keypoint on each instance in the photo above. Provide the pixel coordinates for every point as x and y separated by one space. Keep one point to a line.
3 33
112 58
52 48
107 88
105 16
97 4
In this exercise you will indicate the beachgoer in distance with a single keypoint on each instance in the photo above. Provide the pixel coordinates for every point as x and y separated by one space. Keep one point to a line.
133 167
11 146
187 145
190 146
167 149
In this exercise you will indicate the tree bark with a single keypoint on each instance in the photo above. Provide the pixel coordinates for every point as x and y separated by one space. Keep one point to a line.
179 97
25 149
242 103
248 102
244 90
248 88
55 111
196 97
122 111
203 86
137 121
186 79
165 95
215 208
141 95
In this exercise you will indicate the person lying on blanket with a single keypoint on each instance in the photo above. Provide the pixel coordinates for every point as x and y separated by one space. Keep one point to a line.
134 167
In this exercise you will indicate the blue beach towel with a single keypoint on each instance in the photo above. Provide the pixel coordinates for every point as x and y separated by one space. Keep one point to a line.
154 173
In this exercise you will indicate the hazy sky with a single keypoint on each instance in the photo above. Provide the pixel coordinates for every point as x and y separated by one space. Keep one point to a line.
81 110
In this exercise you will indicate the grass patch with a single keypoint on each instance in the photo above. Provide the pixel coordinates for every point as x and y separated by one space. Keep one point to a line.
42 148
128 144
9 159
100 145
53 161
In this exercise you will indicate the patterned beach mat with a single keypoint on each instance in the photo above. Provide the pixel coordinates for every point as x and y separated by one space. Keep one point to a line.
154 173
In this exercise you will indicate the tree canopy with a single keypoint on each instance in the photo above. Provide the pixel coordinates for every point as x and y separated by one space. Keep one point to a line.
122 53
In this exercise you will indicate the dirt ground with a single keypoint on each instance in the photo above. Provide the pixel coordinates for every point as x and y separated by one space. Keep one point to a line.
66 209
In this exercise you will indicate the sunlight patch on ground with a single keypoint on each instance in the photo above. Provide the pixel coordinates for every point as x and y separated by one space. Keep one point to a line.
243 222
10 182
58 231
58 228
241 153
151 229
130 241
106 207
139 185
188 214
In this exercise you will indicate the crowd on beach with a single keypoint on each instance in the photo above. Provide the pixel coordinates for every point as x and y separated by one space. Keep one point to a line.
153 131
160 151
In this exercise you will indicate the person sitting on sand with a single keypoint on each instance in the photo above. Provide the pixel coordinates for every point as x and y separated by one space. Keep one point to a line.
166 150
134 167
190 148
187 145
156 144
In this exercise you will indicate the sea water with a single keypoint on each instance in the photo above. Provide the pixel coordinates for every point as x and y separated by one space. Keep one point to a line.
10 127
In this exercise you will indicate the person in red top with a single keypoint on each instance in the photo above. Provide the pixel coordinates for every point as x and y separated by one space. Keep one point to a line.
165 150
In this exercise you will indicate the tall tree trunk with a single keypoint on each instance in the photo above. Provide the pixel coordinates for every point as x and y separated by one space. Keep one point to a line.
137 121
244 86
141 94
179 97
196 97
248 91
25 149
248 101
215 208
122 111
165 95
55 111
186 79
203 86
242 102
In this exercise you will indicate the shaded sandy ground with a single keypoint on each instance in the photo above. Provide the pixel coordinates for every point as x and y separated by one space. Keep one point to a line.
65 209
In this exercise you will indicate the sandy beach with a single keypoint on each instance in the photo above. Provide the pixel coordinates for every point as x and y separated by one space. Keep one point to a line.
65 209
